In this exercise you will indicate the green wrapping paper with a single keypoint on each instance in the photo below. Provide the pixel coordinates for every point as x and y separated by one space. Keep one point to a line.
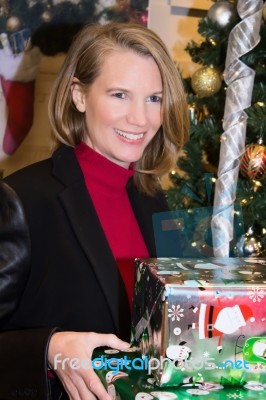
123 383
202 321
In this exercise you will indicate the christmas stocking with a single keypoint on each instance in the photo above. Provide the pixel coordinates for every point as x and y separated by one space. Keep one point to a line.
18 72
19 98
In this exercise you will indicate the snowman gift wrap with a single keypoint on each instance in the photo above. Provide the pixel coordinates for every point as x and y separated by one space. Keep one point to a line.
201 320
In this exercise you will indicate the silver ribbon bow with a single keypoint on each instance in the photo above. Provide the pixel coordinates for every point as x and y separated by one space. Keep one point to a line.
240 80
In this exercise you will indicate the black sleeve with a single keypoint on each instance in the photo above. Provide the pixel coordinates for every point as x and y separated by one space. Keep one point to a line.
23 353
14 251
23 364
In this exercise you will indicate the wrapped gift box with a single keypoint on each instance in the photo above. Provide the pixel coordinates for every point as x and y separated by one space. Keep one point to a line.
125 378
201 321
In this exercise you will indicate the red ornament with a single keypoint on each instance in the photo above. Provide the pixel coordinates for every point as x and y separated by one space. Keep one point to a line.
253 163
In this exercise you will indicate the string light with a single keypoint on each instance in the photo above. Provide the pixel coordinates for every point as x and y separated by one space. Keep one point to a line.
257 185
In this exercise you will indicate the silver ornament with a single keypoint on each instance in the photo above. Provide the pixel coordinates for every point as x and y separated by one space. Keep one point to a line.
221 13
249 245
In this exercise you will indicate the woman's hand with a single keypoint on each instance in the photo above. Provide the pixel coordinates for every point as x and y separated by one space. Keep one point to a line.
80 383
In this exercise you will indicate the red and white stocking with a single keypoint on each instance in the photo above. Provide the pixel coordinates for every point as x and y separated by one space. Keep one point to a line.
17 77
19 97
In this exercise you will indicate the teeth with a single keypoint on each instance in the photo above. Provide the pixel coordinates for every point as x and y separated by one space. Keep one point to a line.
130 136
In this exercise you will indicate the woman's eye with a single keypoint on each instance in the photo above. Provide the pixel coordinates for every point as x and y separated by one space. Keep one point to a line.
155 99
119 95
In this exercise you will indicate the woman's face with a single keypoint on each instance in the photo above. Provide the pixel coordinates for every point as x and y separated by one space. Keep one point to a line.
123 106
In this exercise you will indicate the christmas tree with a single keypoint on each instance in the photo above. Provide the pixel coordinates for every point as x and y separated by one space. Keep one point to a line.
193 181
51 24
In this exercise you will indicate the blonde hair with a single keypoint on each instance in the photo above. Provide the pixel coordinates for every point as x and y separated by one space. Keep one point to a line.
84 61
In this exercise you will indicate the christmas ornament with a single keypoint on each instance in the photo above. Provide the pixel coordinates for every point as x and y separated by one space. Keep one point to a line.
253 162
206 81
264 12
192 113
46 16
198 113
221 13
143 19
249 245
140 17
13 24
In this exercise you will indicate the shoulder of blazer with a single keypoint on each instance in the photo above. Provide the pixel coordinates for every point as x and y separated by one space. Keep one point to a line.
60 170
65 165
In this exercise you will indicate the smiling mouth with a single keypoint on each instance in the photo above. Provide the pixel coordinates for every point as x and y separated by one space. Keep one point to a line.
129 136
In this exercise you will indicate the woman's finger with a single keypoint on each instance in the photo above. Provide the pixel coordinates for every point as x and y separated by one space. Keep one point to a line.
95 386
76 388
110 340
71 389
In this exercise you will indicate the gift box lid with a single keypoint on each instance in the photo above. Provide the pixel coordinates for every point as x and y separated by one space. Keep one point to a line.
207 272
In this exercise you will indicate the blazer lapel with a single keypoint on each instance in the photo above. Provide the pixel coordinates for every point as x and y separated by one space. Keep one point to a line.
87 228
144 207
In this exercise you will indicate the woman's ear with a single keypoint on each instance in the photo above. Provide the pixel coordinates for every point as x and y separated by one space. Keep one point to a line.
78 95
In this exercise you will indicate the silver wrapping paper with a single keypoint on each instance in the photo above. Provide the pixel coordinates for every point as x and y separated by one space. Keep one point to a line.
239 79
196 311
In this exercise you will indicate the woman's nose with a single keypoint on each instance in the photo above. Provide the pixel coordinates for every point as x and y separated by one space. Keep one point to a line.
137 113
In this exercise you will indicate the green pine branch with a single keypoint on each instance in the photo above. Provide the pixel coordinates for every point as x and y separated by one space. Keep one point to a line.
257 120
206 53
212 30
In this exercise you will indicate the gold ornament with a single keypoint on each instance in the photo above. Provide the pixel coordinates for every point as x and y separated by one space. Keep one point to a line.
253 162
206 81
264 12
13 24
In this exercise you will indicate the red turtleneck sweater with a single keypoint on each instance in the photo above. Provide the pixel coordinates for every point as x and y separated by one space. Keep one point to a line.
106 183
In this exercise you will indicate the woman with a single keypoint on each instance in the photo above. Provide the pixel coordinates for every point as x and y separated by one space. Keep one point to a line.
72 225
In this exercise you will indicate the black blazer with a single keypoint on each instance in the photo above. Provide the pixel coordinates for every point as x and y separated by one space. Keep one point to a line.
56 267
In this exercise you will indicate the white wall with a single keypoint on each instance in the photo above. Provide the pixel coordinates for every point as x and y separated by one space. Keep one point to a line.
176 22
